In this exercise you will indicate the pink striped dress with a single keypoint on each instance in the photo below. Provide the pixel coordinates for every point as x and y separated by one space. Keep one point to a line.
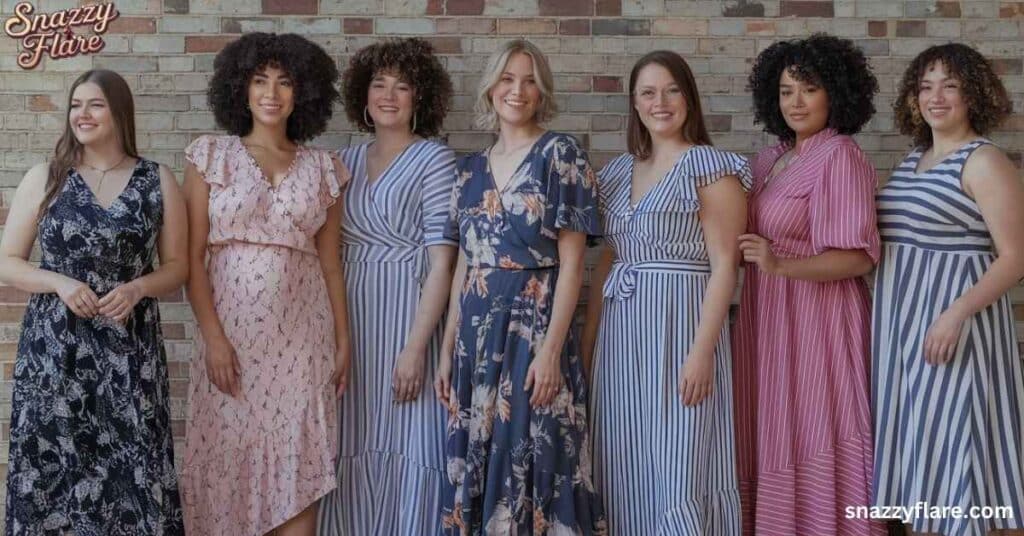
801 348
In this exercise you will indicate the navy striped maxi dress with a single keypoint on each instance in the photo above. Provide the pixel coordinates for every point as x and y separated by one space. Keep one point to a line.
391 456
948 435
663 468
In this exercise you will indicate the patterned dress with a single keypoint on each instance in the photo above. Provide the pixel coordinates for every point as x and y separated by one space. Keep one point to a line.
948 435
681 477
513 469
802 347
253 462
391 459
91 452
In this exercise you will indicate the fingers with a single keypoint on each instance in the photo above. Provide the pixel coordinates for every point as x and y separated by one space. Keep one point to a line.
84 303
544 391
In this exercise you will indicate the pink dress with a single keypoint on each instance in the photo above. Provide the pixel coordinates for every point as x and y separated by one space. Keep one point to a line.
253 462
802 348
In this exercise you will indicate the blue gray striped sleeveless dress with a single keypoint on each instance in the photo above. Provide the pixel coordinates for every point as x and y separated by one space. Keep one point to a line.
391 456
662 468
948 435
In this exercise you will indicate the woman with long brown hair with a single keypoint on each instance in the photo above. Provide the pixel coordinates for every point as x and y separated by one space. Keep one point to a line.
91 448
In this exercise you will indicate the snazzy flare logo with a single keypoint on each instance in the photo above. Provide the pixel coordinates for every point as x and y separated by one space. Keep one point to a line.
51 33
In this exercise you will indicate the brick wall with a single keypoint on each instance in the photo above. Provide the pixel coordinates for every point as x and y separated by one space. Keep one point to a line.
165 49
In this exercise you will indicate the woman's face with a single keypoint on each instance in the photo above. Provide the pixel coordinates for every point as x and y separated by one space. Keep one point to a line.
659 102
271 96
89 116
804 105
516 96
940 99
390 101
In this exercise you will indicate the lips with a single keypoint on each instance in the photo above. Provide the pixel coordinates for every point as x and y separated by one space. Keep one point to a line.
514 103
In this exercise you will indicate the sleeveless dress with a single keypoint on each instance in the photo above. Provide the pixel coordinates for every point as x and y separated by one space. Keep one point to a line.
253 462
391 456
662 468
512 469
949 435
91 451
802 348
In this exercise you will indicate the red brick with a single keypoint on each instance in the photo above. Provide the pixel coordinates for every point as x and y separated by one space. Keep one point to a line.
39 103
526 26
744 8
8 371
205 43
178 428
289 7
806 8
12 295
446 44
133 25
464 7
608 8
1007 66
566 8
910 28
177 296
8 351
179 388
435 7
1011 10
718 122
760 27
12 313
607 84
173 330
574 27
878 28
357 26
947 9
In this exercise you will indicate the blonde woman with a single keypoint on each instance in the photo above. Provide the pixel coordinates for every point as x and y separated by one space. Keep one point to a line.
510 373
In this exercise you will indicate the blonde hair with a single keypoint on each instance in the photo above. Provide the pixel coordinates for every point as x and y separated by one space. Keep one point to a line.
486 117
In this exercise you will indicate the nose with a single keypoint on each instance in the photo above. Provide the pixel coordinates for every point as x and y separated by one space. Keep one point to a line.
271 90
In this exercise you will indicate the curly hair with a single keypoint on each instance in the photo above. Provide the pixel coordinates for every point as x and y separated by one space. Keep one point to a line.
312 71
413 60
834 64
983 91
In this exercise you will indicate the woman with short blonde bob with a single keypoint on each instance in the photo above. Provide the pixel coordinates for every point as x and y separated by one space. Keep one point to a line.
518 448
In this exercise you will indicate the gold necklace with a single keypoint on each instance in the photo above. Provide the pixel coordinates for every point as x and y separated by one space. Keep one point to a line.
103 173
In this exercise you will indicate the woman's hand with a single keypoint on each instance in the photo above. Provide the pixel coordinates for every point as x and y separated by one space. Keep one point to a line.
696 378
222 366
757 250
545 377
407 377
78 297
443 378
342 366
120 302
942 337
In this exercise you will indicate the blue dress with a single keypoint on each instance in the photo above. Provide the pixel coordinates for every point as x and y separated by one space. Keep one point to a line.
662 468
513 469
91 450
948 435
391 456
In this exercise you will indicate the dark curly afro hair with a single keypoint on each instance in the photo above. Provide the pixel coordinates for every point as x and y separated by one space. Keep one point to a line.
413 60
834 64
312 71
983 91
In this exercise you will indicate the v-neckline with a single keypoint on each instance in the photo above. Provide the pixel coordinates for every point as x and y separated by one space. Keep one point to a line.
920 154
263 174
526 157
387 169
128 184
633 206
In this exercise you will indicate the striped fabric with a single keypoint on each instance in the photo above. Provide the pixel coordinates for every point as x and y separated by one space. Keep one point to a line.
391 458
802 348
950 435
663 468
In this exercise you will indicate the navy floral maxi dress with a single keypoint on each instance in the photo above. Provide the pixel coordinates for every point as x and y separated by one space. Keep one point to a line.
91 451
513 469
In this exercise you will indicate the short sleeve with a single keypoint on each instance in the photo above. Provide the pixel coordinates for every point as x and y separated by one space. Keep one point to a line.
335 176
573 188
209 155
707 165
451 225
438 181
842 204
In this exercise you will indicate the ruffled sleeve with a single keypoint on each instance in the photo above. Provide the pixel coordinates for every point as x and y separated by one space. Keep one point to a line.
572 189
335 176
705 165
209 155
842 204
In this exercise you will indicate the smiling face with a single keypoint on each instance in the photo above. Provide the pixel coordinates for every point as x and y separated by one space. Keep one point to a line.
940 99
516 96
659 102
89 116
390 101
271 96
804 105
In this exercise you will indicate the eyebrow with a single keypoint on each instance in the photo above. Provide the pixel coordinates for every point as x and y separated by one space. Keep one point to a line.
94 99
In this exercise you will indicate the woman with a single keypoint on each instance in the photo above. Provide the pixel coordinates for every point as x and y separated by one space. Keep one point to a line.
947 374
518 447
398 275
673 208
802 337
91 449
267 292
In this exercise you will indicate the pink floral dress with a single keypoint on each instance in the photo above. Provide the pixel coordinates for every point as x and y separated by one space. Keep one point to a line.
253 462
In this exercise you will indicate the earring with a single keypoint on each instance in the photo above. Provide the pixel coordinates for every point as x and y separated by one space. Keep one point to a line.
414 122
366 118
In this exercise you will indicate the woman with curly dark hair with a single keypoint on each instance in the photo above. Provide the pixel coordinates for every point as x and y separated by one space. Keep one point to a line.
398 274
268 294
948 373
802 338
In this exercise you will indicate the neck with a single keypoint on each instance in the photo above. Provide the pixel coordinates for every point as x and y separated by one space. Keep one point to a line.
102 155
662 147
947 141
514 136
801 137
392 139
275 136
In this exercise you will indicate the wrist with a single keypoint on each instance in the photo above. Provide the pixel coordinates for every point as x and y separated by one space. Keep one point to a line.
958 310
780 267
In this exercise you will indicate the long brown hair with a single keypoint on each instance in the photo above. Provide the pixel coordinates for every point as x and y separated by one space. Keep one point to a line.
638 140
69 150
